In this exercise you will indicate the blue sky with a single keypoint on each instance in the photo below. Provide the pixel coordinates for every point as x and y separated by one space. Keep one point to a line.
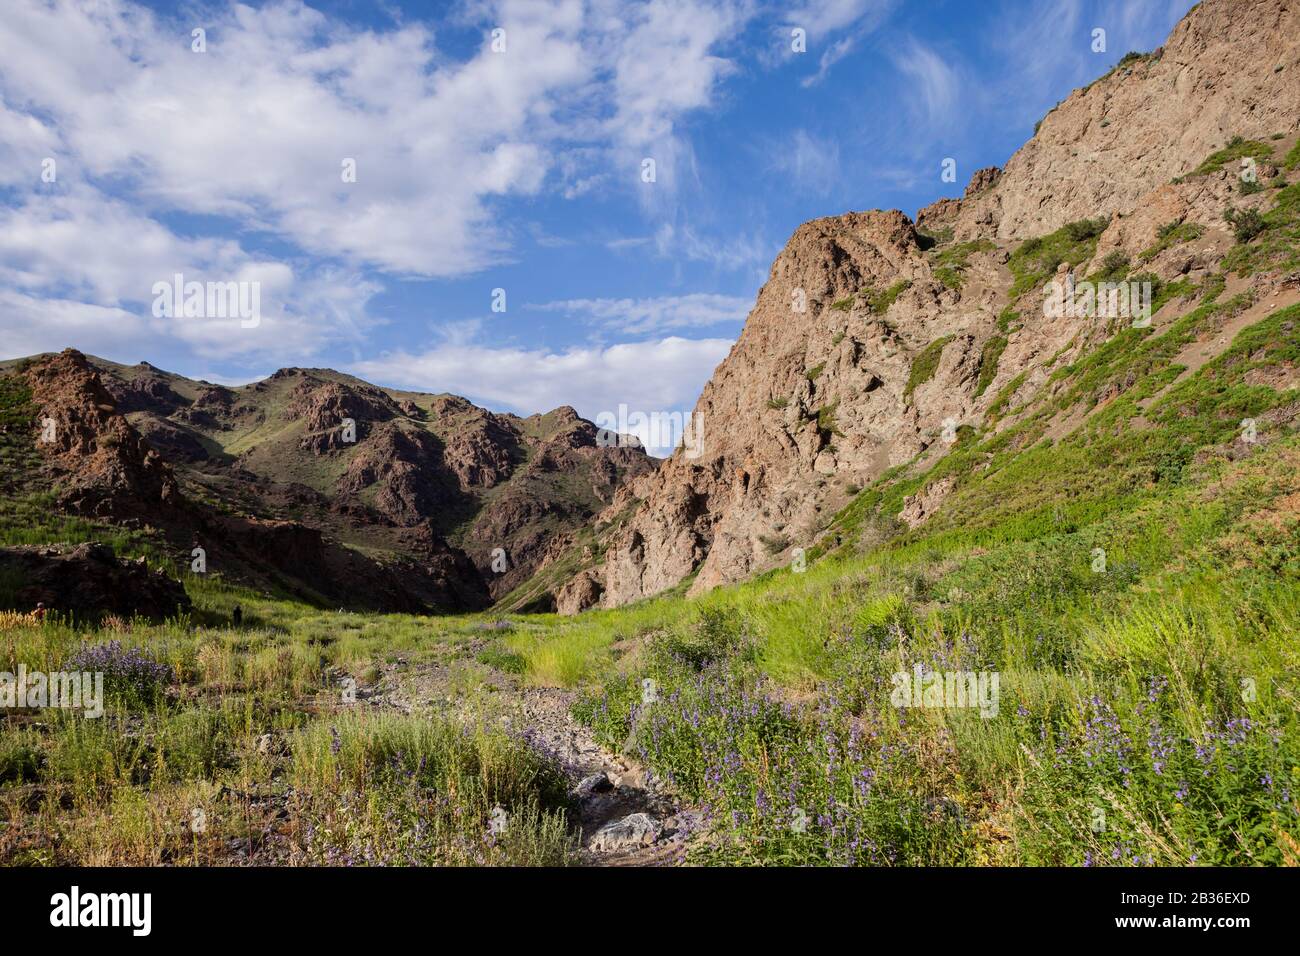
481 169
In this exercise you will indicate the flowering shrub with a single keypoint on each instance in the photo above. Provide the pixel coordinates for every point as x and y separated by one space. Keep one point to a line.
1144 794
787 784
1117 771
128 671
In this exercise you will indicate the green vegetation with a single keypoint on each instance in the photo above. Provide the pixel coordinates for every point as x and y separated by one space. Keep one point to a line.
1134 589
843 305
1292 158
989 356
1115 552
826 421
939 237
1169 235
1246 223
1002 400
1267 241
257 741
879 302
925 365
1037 259
1113 268
813 373
950 264
1231 154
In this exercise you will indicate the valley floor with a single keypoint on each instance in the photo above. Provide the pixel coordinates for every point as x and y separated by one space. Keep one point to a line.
1145 713
1087 655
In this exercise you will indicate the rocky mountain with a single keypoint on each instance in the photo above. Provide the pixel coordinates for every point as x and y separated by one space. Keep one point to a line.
878 343
318 482
879 340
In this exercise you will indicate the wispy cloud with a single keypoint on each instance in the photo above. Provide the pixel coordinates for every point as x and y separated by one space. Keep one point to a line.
809 163
1053 50
742 251
663 313
834 28
932 83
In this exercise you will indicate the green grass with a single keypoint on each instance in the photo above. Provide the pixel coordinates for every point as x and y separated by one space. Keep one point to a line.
950 263
1269 241
1124 689
1170 235
925 365
113 790
1133 583
1036 260
989 356
880 301
1237 149
1292 158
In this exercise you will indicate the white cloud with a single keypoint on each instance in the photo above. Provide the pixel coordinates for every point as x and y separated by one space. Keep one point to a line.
809 163
663 375
821 17
933 83
89 255
258 127
50 324
641 316
739 252
834 28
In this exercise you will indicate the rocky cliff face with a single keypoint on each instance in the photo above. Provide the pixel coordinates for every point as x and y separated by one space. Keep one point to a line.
1228 69
109 470
874 339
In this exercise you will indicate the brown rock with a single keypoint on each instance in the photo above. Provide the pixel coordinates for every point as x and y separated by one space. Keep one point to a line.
582 592
88 581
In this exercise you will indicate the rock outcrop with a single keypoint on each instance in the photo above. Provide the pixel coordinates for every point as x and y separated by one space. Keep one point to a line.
582 592
86 582
107 469
1229 68
874 339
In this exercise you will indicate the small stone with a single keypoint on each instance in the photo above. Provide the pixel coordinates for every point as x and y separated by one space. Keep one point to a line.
596 783
637 829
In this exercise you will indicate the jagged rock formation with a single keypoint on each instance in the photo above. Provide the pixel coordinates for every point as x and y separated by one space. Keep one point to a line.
110 471
875 339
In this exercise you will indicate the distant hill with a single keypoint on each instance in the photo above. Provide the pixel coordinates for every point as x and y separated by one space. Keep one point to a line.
318 481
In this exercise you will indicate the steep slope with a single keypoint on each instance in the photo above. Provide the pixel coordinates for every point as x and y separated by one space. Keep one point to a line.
1229 68
877 344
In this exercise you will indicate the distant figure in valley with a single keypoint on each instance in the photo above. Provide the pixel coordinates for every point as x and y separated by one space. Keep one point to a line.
238 616
39 613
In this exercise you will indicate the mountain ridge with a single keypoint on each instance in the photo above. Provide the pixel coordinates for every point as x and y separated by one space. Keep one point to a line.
339 473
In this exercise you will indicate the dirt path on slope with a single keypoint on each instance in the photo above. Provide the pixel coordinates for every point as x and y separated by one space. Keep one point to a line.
608 788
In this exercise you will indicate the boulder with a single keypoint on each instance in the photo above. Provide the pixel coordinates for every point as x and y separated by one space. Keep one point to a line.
634 830
87 581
